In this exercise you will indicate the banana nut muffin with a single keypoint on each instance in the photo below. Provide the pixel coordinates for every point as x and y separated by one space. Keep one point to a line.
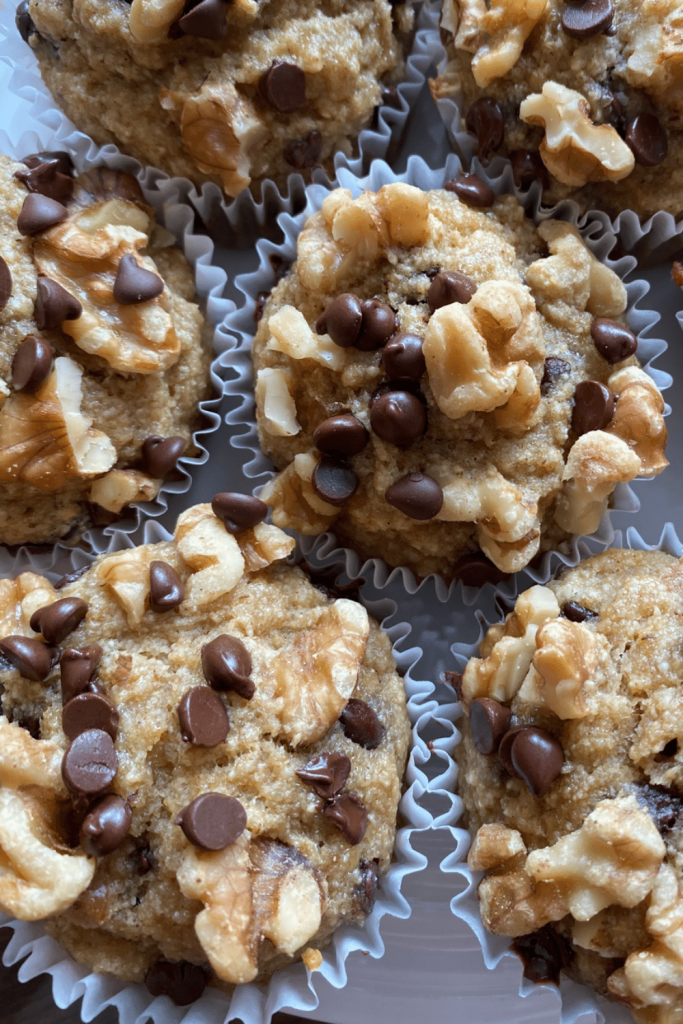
584 95
571 772
230 91
201 756
103 351
436 376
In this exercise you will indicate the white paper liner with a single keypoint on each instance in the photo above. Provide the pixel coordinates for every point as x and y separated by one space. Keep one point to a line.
293 988
243 216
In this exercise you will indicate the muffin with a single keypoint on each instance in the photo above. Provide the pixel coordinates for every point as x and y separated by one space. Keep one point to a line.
230 92
584 97
201 759
570 773
104 353
447 386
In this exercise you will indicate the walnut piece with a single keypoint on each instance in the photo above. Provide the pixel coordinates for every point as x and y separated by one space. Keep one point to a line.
574 149
263 545
291 334
494 33
45 439
212 553
150 20
653 44
275 403
19 599
121 487
295 503
254 889
493 846
560 675
597 462
126 575
638 418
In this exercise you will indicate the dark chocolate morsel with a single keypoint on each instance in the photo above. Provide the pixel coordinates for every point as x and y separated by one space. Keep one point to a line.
213 821
90 764
24 21
54 305
544 954
326 773
454 679
206 20
505 750
238 512
162 453
450 286
553 369
60 157
203 718
40 213
593 407
301 153
471 189
55 621
584 18
32 364
477 570
398 417
135 284
341 320
90 711
106 826
613 340
47 177
5 283
334 481
576 612
361 724
379 323
226 664
402 357
489 722
342 435
348 813
537 757
283 86
166 589
664 806
647 138
182 982
33 659
78 665
366 892
416 495
71 577
485 120
528 167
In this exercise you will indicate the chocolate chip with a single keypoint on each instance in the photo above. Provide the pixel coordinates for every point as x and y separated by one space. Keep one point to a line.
206 20
366 892
166 589
584 18
347 812
390 97
450 286
161 454
55 621
65 164
528 167
32 364
613 340
341 320
301 153
402 357
477 570
576 612
379 323
135 284
33 659
78 665
71 577
454 679
334 481
416 495
646 137
340 435
54 305
24 21
537 757
485 120
213 821
361 724
226 664
47 178
238 512
203 718
471 189
663 806
40 213
182 982
505 750
398 417
593 407
90 711
553 369
142 858
544 954
106 826
283 86
5 283
489 722
90 764
326 773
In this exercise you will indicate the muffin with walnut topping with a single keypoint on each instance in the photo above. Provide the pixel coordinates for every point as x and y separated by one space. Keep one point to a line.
104 353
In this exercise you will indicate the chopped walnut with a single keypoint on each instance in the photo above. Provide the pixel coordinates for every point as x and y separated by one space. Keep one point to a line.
273 398
45 439
150 20
638 418
121 487
574 149
560 676
597 462
405 210
653 45
127 576
263 545
291 334
19 599
494 33
295 503
493 846
595 935
212 553
254 889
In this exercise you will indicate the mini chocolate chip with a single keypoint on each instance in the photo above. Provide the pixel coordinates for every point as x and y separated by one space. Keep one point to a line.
485 120
203 718
544 954
505 750
65 164
5 283
477 570
283 86
471 189
347 812
213 821
537 757
340 435
450 286
78 666
553 369
398 417
71 577
593 406
613 340
584 18
646 137
106 826
361 724
166 589
90 711
334 481
416 495
454 679
142 858
182 982
238 512
226 664
55 621
206 20
576 612
489 722
24 21
402 357
32 364
301 153
326 773
161 454
40 213
90 764
135 284
379 323
366 892
47 178
54 305
341 320
528 167
33 659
